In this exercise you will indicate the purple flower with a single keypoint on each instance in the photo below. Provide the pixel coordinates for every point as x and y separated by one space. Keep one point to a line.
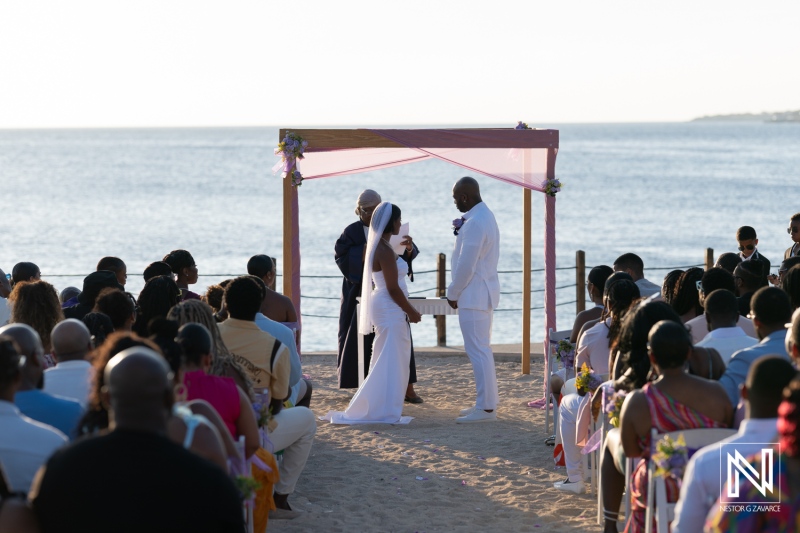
677 461
457 223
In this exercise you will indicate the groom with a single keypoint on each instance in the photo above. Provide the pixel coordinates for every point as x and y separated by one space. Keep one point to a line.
475 292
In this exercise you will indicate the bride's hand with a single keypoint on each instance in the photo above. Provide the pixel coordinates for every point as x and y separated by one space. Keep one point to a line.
414 316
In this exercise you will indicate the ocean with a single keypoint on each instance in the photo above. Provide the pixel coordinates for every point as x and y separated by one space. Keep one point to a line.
663 191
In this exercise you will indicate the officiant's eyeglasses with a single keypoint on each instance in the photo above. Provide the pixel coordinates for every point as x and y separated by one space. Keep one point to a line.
748 247
792 229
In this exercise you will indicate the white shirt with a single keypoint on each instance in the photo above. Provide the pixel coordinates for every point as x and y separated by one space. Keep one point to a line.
593 348
71 379
475 284
647 288
699 327
25 445
727 341
701 482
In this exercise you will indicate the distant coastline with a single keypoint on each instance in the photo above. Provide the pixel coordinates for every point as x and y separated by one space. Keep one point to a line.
781 116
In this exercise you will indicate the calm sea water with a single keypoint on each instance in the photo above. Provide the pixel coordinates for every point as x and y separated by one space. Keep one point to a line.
663 191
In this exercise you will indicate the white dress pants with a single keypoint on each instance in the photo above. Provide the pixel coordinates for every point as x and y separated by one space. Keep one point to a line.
294 435
568 419
476 328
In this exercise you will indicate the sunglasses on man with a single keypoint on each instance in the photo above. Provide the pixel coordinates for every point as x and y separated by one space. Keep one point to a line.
748 247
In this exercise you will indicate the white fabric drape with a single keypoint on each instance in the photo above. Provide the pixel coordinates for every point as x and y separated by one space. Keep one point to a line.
380 217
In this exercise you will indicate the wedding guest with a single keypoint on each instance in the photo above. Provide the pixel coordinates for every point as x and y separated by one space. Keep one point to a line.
299 387
762 393
118 306
349 255
115 265
182 264
748 240
69 296
786 264
275 306
675 401
771 310
791 285
712 280
595 285
749 518
92 285
723 323
633 265
794 232
267 363
24 443
728 261
25 272
747 278
5 290
72 376
60 413
213 297
158 268
686 301
36 304
134 453
668 287
158 296
230 401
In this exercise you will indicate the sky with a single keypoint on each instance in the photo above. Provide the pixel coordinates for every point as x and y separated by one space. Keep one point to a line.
266 63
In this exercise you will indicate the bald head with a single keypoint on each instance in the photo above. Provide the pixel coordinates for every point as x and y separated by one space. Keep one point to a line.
27 339
139 390
71 340
466 194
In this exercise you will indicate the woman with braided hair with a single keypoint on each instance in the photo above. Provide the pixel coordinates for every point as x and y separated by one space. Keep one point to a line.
223 363
158 296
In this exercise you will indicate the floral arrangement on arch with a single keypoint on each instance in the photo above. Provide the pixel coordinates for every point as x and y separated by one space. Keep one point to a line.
613 406
671 457
291 149
551 187
586 381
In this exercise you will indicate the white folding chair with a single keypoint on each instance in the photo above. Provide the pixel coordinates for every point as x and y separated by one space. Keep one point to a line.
551 400
657 487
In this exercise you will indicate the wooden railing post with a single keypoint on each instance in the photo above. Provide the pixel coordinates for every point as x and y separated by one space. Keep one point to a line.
709 258
580 281
441 291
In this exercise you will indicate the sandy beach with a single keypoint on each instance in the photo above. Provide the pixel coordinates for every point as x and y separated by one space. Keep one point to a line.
433 474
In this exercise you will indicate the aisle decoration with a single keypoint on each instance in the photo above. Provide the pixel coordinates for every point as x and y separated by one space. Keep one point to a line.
565 352
671 457
291 148
586 381
613 406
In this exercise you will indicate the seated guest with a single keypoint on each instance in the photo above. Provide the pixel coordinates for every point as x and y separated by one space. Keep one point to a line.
790 283
230 401
69 296
633 265
182 264
25 272
118 306
762 393
92 285
275 306
268 366
675 401
158 296
36 304
714 279
595 285
685 300
783 475
613 278
747 278
783 269
593 349
109 479
728 261
668 287
73 374
723 323
748 240
56 411
100 326
24 443
158 268
300 388
771 311
115 265
213 297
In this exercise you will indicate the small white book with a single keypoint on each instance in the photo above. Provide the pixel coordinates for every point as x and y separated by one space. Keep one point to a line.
395 240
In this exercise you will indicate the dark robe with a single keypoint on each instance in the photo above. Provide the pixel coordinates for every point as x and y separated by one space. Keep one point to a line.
349 251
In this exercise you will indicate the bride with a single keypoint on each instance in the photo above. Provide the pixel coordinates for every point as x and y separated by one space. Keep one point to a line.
386 308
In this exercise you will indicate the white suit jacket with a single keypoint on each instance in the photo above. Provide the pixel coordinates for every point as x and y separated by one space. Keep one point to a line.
474 261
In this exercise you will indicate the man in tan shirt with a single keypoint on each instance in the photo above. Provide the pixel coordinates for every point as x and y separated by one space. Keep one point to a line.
267 363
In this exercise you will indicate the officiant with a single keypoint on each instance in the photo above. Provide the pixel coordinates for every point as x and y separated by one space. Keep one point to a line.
349 254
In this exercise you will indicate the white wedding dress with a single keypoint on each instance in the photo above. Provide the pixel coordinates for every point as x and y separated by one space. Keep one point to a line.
380 397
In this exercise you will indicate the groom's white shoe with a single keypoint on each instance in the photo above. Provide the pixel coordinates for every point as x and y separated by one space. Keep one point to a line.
468 410
477 415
